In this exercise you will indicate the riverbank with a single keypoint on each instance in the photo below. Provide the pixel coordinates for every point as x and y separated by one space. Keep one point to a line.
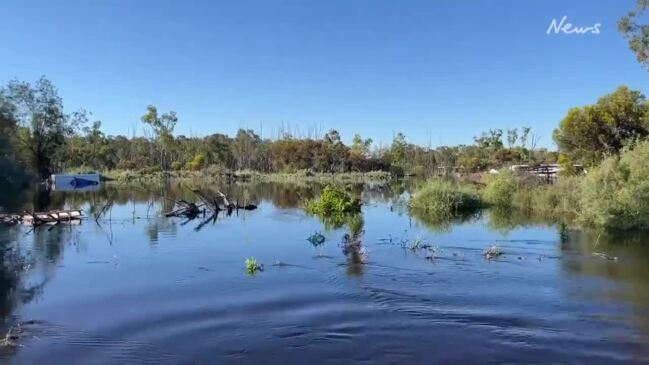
128 176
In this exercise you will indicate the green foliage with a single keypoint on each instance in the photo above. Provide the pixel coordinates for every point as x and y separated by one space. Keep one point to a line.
252 267
42 124
500 189
333 201
398 149
444 198
566 165
197 163
553 201
590 133
616 193
637 34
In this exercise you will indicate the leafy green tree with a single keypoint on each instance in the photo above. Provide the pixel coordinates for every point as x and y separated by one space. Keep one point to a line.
589 133
361 146
245 147
163 126
525 132
43 125
512 137
398 150
637 34
12 174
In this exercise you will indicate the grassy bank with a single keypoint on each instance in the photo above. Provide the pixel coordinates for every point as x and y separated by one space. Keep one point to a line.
613 195
153 175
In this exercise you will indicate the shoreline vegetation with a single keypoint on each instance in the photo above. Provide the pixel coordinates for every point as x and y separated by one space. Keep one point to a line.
608 139
126 176
613 195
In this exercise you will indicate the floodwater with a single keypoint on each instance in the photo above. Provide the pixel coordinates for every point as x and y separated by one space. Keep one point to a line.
136 288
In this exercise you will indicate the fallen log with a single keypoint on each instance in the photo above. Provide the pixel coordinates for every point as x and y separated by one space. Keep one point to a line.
39 218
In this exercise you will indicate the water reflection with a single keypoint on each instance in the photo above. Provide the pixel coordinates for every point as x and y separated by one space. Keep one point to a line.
559 293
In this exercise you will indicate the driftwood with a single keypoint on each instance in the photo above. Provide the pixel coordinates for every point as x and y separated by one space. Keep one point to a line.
39 218
211 204
184 208
221 203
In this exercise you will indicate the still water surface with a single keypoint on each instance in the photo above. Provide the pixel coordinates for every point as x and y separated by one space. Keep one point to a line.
140 288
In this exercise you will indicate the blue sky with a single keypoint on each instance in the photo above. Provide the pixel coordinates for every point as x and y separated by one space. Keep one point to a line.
438 71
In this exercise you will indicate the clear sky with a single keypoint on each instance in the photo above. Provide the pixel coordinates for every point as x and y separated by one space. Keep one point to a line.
439 71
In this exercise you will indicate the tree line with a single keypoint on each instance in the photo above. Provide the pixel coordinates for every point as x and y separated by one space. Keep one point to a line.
38 137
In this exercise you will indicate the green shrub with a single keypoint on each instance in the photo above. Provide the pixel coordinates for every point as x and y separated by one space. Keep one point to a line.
500 189
444 198
333 201
197 163
616 193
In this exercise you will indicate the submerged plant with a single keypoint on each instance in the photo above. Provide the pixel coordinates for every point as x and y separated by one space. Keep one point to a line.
252 266
317 239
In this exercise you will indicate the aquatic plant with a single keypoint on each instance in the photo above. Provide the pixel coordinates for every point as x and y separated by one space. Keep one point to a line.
333 201
252 266
500 189
317 239
444 198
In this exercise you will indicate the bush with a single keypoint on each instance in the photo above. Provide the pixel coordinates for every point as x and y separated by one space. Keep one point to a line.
444 198
500 189
197 163
333 201
616 193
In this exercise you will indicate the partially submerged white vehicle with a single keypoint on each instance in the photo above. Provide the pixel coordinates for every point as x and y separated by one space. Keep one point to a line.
76 182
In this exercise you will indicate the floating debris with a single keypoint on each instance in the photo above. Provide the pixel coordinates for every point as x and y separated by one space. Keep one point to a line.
605 256
12 336
492 252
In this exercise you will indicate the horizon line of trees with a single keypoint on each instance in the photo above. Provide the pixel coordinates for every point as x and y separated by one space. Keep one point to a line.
38 137
38 134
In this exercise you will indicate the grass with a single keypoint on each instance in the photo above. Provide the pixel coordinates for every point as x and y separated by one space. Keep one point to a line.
215 172
445 198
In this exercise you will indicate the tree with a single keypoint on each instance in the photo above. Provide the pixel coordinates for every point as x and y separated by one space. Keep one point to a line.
359 152
512 137
244 148
361 146
398 150
637 34
525 132
11 172
163 126
491 140
43 125
589 133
